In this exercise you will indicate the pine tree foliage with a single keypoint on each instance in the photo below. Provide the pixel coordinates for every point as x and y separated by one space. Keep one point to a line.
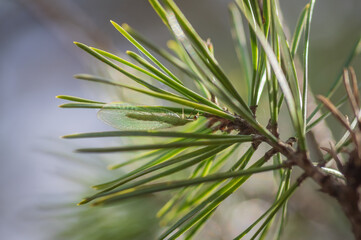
201 130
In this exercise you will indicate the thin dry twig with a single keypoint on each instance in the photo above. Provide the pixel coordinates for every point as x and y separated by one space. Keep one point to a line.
356 93
350 92
339 116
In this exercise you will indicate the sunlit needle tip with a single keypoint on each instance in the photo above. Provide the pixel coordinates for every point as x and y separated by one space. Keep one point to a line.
82 202
111 167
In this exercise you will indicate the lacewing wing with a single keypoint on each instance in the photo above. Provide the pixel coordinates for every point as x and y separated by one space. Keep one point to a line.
129 117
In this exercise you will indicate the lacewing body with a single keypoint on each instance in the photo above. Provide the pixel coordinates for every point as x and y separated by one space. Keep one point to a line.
129 117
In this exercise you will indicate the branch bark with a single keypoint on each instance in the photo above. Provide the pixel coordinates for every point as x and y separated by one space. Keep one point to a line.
347 194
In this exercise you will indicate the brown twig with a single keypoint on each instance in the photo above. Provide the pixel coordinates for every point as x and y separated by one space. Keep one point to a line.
350 92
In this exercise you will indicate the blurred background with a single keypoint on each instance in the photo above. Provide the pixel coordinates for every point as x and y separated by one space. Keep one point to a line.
39 174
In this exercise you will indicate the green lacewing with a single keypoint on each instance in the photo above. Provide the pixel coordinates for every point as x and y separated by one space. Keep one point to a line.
128 117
